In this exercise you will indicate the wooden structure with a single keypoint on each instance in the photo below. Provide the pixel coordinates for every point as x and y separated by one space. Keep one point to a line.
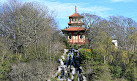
75 33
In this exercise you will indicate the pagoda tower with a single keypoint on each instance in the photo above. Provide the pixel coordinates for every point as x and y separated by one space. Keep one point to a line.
75 33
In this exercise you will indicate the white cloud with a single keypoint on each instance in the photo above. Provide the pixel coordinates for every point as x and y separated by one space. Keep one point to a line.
98 10
63 10
122 0
2 1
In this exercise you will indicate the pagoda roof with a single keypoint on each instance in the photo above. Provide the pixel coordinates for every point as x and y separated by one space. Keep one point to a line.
76 15
74 29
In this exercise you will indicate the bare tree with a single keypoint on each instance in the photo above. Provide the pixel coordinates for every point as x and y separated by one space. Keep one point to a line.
30 30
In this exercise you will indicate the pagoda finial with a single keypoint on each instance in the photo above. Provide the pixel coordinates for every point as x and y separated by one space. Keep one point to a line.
75 9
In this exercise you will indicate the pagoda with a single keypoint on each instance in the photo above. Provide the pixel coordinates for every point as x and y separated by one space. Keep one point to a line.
75 32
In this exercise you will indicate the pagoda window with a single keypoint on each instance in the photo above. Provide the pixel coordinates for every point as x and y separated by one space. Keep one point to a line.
81 37
72 19
70 37
77 19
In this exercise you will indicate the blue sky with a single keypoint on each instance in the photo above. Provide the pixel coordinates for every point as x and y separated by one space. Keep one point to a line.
104 8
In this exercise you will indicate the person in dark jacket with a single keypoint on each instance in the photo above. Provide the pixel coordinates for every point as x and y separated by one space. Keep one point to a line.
77 60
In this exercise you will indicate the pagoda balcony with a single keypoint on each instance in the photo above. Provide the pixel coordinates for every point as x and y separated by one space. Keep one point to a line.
75 23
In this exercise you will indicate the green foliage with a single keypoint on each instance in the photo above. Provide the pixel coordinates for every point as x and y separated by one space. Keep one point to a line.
54 79
121 60
116 71
106 75
4 70
120 64
5 59
131 68
86 57
91 62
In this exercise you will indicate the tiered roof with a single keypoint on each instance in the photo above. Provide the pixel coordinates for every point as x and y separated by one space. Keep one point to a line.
76 15
74 29
77 26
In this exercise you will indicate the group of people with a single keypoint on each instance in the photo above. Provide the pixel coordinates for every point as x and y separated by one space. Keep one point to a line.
73 59
66 69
